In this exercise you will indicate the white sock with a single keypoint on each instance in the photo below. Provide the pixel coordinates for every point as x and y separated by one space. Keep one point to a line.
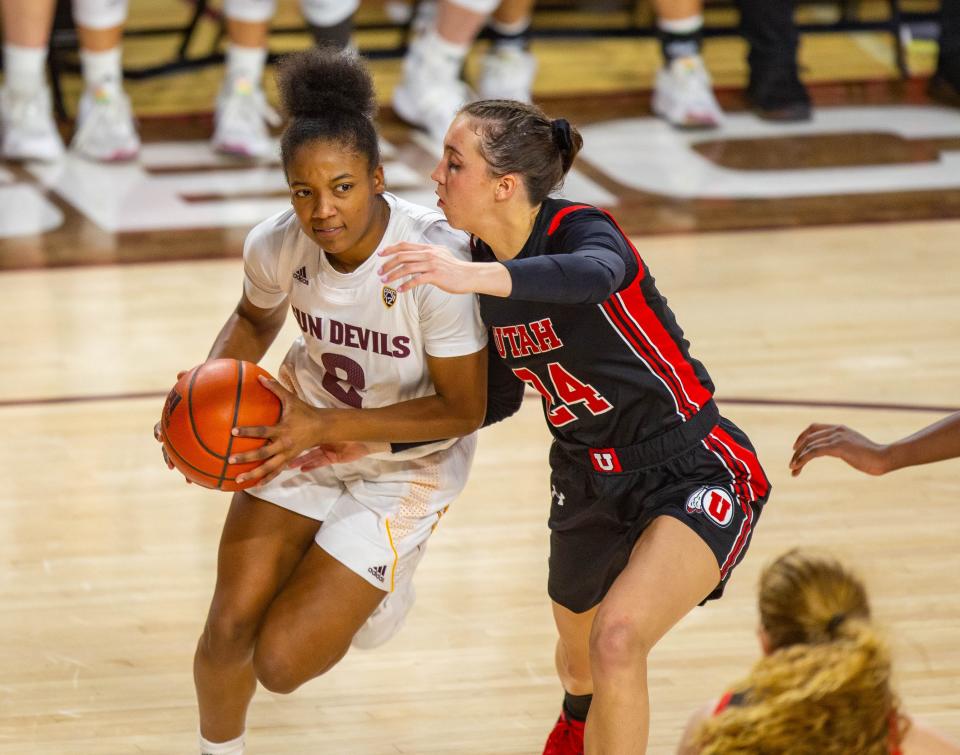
246 63
510 29
233 747
24 67
442 58
102 69
686 25
447 48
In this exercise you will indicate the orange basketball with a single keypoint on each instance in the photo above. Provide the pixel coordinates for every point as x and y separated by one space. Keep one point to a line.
202 409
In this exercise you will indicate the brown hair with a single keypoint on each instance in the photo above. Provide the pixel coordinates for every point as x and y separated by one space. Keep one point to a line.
825 686
516 137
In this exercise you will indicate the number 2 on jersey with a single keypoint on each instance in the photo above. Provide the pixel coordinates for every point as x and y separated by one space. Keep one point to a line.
568 389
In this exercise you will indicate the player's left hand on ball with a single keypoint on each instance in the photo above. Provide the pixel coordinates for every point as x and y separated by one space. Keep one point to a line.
423 263
158 434
286 440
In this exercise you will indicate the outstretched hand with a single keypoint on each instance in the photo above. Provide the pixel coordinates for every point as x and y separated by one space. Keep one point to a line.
841 442
291 436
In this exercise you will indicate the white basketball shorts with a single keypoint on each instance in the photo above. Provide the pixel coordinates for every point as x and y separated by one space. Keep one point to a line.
377 515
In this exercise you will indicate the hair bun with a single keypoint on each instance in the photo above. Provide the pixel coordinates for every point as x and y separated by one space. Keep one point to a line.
323 82
561 134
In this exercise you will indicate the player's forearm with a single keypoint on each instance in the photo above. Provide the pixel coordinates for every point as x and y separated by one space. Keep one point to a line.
240 338
939 441
421 419
589 276
490 278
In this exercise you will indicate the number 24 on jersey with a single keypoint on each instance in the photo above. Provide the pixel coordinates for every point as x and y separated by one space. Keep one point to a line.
568 391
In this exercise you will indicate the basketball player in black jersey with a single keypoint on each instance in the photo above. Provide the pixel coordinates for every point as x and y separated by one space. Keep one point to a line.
655 496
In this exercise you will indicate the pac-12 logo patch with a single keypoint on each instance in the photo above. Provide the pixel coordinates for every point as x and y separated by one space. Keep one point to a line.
389 296
716 503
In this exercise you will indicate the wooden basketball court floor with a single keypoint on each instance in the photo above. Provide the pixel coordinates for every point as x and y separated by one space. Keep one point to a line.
801 311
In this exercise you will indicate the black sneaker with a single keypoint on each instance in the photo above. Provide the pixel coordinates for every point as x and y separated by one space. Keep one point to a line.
943 90
777 94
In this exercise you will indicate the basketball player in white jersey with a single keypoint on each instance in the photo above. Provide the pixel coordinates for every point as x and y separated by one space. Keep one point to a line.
312 560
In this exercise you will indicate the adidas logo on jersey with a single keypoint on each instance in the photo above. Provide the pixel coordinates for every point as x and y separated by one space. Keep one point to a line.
380 572
301 275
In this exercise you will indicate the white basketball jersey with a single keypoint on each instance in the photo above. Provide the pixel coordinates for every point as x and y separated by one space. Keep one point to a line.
363 344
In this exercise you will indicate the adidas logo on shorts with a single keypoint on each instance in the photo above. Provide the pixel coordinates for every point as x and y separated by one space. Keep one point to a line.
380 572
301 275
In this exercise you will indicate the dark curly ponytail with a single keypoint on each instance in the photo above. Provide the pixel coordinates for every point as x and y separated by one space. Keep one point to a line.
327 95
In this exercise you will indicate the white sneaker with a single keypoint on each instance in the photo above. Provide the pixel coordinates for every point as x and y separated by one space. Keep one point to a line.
29 131
507 73
105 127
242 120
683 95
388 617
431 92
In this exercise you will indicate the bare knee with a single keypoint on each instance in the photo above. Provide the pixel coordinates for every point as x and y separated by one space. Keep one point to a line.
618 643
275 670
228 636
281 668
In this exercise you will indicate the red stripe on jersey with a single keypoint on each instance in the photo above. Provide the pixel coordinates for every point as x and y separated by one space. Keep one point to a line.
637 322
558 218
637 306
723 703
629 243
756 479
663 343
895 738
629 331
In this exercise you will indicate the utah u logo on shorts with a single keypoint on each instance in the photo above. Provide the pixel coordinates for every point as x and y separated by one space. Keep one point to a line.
389 296
716 503
605 460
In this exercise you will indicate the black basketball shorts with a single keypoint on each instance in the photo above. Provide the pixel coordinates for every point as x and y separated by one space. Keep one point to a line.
603 499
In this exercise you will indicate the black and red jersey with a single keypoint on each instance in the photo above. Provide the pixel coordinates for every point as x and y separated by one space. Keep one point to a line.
586 327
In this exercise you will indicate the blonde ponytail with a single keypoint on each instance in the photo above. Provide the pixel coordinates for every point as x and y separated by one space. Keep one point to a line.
826 691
